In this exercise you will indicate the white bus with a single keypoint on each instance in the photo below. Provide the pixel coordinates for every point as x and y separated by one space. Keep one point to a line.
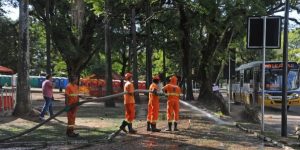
246 87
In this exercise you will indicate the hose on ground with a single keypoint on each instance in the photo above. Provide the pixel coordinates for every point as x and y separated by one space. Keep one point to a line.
66 108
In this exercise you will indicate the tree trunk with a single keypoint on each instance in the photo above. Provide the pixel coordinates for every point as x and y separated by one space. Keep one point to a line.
148 47
23 105
206 80
220 72
164 67
108 70
134 54
48 51
185 46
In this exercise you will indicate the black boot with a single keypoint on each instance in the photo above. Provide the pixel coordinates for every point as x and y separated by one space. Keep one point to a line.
148 126
71 133
122 127
153 128
131 131
170 126
175 126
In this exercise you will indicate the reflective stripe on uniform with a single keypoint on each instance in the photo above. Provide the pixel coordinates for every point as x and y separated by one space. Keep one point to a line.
173 94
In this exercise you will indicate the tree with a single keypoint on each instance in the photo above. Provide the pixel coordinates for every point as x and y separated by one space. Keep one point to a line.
108 66
134 52
8 43
73 41
23 104
48 40
185 47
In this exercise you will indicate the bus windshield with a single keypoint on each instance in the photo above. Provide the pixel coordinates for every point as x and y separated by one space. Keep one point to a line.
274 78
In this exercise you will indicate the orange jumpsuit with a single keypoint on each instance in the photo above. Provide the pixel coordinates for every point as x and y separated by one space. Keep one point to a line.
129 102
72 92
153 104
173 91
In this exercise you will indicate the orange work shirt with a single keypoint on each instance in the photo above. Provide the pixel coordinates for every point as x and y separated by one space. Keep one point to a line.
173 92
129 97
72 91
152 97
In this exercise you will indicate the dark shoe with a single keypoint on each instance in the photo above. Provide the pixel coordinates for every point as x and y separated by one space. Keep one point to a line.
42 118
148 126
170 126
51 115
154 129
131 131
70 133
175 126
122 127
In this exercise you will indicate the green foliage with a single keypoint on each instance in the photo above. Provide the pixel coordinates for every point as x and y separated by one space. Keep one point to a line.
60 67
97 6
96 66
8 43
294 55
37 48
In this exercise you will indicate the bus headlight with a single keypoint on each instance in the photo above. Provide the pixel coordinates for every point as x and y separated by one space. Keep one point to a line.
295 95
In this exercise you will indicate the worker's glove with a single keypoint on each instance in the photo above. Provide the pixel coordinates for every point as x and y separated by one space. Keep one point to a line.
67 108
154 92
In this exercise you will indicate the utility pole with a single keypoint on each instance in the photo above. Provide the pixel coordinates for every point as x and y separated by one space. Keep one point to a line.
285 72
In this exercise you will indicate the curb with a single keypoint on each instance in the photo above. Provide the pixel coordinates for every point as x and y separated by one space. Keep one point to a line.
270 141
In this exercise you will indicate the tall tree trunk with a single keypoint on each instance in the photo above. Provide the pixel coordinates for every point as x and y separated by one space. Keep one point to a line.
148 47
108 70
205 75
134 53
185 46
48 51
23 105
220 72
164 67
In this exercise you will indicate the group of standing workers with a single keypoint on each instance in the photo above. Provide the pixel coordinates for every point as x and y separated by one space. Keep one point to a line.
172 91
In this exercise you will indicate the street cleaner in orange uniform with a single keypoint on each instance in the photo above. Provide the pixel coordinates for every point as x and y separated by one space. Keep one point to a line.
153 105
72 97
129 103
173 91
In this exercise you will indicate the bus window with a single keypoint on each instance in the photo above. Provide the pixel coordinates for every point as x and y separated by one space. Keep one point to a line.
247 76
274 77
241 80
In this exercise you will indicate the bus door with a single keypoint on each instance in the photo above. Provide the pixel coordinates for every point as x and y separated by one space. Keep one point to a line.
240 92
256 81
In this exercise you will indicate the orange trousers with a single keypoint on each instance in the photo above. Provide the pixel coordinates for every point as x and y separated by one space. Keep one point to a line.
172 110
71 116
153 112
129 112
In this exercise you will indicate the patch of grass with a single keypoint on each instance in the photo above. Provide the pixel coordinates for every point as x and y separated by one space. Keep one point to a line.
57 133
219 113
224 129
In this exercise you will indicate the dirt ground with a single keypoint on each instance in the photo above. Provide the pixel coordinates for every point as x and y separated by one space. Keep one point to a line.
95 122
